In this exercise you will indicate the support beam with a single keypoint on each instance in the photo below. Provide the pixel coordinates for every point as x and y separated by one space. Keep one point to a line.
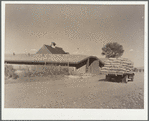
87 65
68 68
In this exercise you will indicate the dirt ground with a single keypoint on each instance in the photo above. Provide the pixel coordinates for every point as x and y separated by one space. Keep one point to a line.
74 92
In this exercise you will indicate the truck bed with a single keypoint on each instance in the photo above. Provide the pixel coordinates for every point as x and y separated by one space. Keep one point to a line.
119 73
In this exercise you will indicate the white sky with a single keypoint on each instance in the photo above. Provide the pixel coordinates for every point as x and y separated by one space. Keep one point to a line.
78 29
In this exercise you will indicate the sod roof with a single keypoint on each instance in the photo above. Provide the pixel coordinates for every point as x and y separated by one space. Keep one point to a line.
49 58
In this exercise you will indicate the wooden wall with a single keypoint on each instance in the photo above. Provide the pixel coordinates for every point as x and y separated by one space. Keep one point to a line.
94 67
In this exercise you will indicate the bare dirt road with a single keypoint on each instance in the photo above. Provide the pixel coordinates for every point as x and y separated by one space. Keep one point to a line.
64 92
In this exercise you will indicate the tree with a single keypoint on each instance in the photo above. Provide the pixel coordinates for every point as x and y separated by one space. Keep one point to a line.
112 50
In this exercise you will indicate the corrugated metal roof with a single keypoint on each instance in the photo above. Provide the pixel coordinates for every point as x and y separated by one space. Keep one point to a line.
52 58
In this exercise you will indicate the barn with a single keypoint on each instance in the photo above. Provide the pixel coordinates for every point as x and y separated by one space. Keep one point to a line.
51 49
80 63
53 55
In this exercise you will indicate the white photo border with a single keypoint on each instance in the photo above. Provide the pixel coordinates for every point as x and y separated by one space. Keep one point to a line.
77 114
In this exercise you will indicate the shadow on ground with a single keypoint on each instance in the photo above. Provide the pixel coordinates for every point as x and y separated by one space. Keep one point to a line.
113 80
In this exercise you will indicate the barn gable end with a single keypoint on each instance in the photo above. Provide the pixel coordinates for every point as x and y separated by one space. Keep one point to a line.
48 49
43 50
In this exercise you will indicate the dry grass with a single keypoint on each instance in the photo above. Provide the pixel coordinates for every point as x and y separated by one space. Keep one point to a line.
10 72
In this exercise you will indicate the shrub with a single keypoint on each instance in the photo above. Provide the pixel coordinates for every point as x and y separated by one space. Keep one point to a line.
10 72
43 70
37 71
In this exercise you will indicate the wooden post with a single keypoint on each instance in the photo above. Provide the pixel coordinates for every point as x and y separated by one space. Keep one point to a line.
59 68
74 69
68 68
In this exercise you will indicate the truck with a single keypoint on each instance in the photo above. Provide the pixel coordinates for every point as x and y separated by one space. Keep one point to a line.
125 77
120 70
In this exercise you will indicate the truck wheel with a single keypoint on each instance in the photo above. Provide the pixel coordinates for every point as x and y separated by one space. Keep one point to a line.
125 79
132 78
108 78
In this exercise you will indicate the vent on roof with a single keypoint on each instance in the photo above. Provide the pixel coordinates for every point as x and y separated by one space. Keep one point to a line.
53 44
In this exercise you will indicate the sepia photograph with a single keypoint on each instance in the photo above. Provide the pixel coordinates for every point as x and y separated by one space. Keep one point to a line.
66 58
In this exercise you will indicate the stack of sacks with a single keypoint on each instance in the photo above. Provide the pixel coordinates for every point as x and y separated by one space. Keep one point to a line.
117 66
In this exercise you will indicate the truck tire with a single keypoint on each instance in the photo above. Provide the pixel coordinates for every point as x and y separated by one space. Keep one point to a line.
125 79
132 78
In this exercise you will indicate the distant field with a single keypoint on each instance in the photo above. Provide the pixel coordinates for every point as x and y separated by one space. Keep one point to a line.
74 92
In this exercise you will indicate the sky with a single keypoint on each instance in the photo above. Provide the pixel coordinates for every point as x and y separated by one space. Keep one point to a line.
77 28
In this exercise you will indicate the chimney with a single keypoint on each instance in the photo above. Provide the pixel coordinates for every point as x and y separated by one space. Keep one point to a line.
53 44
